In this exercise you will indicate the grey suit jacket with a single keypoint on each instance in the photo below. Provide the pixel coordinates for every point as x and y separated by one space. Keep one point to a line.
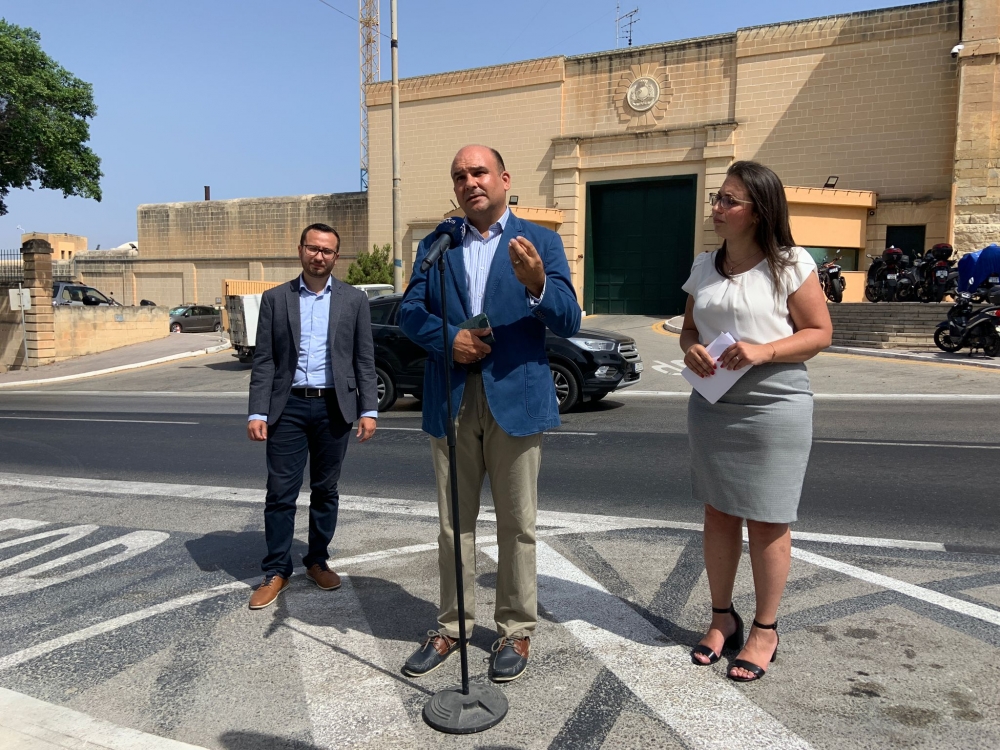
352 351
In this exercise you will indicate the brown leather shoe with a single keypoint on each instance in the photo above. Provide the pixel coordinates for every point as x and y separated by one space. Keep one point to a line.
509 658
432 654
265 594
323 577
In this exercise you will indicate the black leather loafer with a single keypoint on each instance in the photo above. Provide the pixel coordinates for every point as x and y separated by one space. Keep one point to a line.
509 658
433 652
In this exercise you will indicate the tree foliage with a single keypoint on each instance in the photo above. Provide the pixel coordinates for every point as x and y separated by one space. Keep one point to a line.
43 121
371 268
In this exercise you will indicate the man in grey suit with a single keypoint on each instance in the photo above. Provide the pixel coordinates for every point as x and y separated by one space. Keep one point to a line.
313 375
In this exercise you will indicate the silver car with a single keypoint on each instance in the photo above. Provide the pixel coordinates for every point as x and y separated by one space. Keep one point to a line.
192 318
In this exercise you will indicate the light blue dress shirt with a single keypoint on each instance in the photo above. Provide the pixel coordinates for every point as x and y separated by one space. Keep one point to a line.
314 368
478 252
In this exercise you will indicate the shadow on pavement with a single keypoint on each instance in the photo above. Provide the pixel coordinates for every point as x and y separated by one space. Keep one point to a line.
237 740
238 553
234 366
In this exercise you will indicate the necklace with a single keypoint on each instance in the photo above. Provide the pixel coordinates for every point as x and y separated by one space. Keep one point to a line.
731 267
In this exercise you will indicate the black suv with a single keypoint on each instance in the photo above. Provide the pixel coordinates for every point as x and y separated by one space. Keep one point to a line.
589 365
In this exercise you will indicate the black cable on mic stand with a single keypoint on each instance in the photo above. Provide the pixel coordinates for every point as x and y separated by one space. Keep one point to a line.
465 708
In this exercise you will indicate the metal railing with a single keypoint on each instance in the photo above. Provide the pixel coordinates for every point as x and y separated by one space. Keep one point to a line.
12 268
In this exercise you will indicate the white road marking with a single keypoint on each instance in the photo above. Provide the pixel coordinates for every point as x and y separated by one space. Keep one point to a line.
702 709
573 522
863 541
68 536
20 524
26 722
81 419
133 394
945 397
108 626
567 432
917 592
665 368
399 429
371 712
949 446
31 579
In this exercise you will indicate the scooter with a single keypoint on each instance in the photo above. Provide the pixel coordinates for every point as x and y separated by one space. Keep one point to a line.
967 327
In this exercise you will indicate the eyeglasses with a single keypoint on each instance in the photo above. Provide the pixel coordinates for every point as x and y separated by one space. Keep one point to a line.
727 201
317 250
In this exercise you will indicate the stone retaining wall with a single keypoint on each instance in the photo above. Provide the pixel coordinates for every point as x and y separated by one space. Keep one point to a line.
87 330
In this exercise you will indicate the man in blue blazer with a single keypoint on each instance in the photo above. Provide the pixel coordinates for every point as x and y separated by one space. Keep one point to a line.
516 273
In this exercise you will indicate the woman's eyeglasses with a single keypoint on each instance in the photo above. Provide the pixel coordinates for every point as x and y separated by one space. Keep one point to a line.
727 201
317 250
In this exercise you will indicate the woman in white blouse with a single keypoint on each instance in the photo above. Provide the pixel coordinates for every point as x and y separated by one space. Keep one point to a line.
749 451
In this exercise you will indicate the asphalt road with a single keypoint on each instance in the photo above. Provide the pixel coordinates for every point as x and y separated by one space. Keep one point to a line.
918 470
133 609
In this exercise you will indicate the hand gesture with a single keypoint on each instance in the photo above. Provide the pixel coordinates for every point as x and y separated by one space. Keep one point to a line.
469 347
741 355
699 361
528 266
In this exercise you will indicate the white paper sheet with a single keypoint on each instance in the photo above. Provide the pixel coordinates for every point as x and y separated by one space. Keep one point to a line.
715 386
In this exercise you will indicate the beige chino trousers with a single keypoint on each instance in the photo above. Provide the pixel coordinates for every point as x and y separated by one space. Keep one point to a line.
512 463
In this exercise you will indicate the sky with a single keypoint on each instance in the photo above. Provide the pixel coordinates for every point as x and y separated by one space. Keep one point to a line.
261 97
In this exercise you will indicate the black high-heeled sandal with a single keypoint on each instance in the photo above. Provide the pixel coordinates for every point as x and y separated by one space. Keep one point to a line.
756 671
734 642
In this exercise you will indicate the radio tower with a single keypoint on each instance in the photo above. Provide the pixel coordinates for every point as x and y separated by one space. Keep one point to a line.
368 31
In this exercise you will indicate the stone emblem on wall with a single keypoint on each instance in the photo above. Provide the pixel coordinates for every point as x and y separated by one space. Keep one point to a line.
642 96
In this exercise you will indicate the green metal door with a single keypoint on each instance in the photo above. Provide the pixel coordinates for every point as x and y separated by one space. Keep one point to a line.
640 244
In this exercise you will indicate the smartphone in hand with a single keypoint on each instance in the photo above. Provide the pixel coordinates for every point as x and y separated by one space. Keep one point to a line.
480 321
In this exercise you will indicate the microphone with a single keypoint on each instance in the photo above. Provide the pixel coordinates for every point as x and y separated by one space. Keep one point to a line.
449 235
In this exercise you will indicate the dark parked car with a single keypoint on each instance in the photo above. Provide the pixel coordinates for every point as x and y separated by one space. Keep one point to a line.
591 365
72 294
191 318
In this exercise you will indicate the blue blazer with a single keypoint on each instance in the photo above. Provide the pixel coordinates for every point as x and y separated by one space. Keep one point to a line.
516 373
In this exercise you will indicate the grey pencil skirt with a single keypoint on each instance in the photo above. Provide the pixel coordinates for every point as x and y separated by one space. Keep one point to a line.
750 450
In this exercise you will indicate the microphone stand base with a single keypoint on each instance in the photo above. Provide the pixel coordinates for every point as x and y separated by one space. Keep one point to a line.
453 712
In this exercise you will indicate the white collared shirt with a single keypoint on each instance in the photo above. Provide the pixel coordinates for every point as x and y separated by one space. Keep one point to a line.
478 252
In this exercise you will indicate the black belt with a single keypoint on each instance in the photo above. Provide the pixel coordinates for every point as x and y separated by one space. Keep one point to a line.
311 392
474 367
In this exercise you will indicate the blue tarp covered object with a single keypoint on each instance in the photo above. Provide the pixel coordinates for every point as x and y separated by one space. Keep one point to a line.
987 265
967 270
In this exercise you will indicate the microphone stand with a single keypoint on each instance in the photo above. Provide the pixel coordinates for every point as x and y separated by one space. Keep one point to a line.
465 708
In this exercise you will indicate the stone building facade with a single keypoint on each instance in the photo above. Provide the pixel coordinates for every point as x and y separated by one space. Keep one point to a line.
621 149
187 249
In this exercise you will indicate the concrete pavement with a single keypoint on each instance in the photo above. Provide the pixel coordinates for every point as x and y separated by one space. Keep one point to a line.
173 347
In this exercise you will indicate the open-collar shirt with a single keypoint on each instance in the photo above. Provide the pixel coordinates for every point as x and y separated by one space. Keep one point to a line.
477 252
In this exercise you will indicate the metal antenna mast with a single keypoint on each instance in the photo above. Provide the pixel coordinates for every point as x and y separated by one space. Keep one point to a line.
368 31
624 23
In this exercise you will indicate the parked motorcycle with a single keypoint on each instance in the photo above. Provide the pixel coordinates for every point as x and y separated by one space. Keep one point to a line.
967 327
909 286
939 278
831 280
883 276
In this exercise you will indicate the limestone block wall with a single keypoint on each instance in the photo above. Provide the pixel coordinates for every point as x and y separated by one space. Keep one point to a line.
870 97
257 227
187 249
977 150
513 108
697 78
11 338
86 330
